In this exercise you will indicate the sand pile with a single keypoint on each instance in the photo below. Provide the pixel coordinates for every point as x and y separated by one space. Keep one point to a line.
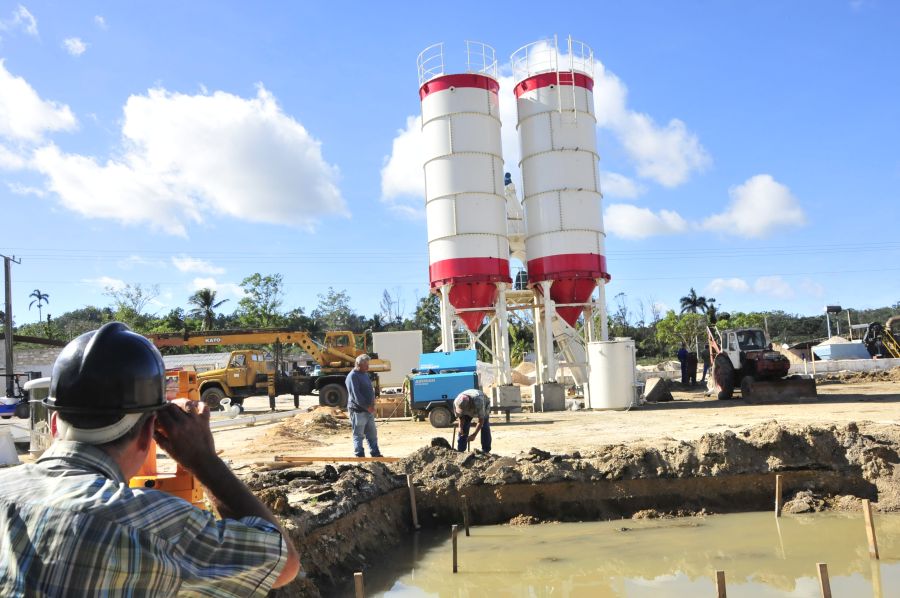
317 422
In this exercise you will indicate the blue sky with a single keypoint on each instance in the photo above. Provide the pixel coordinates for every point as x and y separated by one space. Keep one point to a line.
748 150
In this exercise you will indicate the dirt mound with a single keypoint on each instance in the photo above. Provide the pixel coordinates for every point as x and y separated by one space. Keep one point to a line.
869 457
318 421
891 375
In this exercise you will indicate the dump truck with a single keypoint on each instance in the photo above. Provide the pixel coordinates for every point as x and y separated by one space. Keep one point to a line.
744 359
253 372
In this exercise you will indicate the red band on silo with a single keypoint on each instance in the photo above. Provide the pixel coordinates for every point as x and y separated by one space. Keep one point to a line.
570 265
548 79
468 269
461 80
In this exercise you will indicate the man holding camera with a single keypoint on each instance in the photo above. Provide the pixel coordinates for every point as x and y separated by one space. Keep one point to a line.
71 526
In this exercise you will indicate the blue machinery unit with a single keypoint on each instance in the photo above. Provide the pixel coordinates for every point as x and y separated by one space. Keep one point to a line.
439 378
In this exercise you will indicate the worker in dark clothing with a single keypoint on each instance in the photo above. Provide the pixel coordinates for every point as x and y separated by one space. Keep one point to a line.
469 405
691 361
682 358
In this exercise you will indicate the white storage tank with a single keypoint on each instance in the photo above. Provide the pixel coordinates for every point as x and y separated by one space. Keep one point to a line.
465 206
557 134
612 380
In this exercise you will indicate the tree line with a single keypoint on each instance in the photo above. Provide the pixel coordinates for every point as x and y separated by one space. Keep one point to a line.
657 335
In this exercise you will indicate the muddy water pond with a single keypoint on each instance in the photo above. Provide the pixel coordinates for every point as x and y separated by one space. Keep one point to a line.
761 557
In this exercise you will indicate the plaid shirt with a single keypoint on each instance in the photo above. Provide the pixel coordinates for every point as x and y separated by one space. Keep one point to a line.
71 526
478 404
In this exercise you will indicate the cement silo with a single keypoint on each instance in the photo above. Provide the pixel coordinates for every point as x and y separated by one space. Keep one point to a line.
559 162
464 191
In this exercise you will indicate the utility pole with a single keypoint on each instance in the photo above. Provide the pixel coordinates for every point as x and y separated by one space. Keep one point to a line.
7 330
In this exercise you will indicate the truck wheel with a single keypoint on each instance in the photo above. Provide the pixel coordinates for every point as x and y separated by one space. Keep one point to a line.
723 374
747 387
440 417
333 395
212 397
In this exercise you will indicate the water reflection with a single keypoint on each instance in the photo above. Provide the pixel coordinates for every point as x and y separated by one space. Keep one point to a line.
761 557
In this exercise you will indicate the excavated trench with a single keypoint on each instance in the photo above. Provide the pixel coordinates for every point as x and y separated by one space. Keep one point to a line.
343 519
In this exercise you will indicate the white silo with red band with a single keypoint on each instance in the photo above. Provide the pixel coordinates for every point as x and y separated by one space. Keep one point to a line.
557 134
464 202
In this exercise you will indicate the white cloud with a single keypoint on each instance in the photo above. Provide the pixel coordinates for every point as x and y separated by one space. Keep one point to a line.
620 186
20 19
402 176
105 282
20 189
632 222
100 22
24 116
666 154
10 160
191 264
220 287
773 285
758 207
189 158
811 288
738 285
74 46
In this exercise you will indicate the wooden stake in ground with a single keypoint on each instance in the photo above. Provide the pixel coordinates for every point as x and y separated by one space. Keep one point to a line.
465 510
870 528
778 495
720 584
453 530
412 502
360 586
823 580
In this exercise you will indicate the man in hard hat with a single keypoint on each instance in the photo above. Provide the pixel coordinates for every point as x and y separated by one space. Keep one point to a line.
71 526
361 405
469 405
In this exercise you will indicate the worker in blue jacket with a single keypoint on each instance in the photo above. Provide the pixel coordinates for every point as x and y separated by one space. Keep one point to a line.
361 404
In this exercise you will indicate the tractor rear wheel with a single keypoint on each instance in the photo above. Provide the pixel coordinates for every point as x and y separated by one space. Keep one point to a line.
333 395
723 374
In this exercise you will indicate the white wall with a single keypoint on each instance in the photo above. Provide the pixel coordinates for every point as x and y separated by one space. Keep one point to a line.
402 349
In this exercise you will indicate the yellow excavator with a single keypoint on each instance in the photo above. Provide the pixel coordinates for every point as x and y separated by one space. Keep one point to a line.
253 372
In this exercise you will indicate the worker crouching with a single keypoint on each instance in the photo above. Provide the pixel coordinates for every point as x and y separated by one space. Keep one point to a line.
70 524
469 405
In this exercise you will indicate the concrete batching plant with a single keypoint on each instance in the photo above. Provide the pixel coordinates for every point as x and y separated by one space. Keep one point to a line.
473 215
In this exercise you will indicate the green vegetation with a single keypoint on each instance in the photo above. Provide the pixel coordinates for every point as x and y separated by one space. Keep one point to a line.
657 336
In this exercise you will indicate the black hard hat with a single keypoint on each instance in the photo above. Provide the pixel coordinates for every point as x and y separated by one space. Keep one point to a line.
111 370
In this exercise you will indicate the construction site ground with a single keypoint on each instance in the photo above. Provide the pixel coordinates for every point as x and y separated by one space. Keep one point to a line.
326 432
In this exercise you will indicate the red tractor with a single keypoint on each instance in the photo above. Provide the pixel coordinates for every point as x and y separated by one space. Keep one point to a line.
744 359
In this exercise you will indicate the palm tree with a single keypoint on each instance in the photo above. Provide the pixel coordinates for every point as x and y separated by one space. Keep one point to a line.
204 302
694 303
712 311
39 298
